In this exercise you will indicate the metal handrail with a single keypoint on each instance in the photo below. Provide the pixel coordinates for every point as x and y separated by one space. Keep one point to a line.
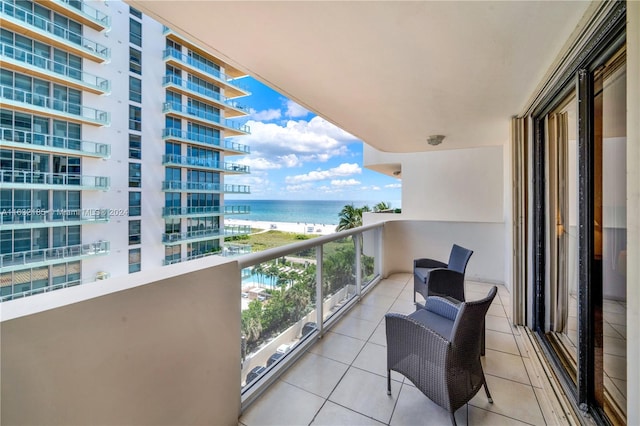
88 147
204 139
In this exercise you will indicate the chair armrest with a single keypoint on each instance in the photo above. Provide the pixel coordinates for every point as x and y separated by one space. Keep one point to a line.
446 282
443 307
428 263
407 340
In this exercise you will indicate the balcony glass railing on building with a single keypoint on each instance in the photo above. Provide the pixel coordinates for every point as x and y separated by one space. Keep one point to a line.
172 53
202 234
17 138
305 287
44 180
46 287
207 93
51 106
204 211
34 218
176 185
39 64
205 140
206 116
91 13
39 25
203 163
49 256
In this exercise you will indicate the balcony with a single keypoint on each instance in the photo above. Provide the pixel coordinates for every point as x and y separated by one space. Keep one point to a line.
52 287
176 185
205 234
44 105
23 21
231 128
229 250
231 108
20 139
19 179
26 62
204 163
41 218
80 11
230 148
231 88
334 373
176 212
51 256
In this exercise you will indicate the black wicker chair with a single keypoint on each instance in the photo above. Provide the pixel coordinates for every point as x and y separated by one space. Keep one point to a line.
438 349
434 278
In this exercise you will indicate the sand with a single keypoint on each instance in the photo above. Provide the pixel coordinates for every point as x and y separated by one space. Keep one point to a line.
298 228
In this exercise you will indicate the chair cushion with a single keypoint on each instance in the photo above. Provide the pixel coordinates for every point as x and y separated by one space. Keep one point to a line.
422 273
437 323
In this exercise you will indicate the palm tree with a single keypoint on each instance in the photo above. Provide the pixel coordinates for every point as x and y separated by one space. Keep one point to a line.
381 206
350 217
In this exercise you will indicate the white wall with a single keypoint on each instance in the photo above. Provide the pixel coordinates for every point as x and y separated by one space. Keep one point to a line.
162 353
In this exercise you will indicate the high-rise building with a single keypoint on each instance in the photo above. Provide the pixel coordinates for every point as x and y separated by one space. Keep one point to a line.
112 145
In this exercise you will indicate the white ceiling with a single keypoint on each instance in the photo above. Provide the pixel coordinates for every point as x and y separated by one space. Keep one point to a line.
391 73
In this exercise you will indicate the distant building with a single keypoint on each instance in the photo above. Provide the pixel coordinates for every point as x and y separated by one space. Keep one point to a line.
112 145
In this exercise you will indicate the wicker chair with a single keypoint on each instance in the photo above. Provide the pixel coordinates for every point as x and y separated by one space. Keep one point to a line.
434 278
438 349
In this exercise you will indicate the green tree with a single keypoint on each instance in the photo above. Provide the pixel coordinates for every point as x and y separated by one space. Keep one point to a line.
350 217
381 206
251 322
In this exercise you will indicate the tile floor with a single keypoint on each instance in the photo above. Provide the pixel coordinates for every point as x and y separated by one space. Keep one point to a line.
341 380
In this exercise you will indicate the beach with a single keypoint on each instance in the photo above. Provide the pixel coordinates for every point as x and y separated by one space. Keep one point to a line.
295 227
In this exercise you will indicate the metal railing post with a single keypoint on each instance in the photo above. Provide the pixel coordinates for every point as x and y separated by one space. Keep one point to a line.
319 313
358 263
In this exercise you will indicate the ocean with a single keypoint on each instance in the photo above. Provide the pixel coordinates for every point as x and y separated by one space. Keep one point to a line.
305 211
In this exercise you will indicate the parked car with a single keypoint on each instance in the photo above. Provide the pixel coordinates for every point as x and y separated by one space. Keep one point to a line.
274 357
309 327
255 372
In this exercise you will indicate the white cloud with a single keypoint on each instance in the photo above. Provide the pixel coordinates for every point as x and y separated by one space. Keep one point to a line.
370 188
343 170
393 185
345 182
266 115
313 140
258 163
299 188
295 110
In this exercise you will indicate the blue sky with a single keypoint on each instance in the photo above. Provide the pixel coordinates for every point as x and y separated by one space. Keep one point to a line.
297 155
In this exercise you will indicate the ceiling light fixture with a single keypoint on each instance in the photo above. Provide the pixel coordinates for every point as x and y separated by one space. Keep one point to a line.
435 139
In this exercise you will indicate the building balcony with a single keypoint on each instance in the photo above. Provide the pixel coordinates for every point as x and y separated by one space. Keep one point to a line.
42 218
230 148
51 256
204 163
44 105
202 211
26 62
230 127
11 137
46 287
205 234
23 21
80 11
230 107
231 88
179 186
18 179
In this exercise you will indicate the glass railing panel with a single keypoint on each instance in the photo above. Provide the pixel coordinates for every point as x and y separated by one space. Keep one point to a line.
369 268
278 311
45 25
190 161
37 100
17 217
52 287
90 12
204 139
193 62
46 64
59 142
338 274
227 231
52 255
63 179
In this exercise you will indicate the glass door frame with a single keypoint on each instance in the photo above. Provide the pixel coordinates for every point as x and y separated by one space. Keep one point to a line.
578 78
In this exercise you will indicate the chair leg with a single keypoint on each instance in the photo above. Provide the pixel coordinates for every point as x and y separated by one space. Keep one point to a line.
486 389
453 419
389 382
482 339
